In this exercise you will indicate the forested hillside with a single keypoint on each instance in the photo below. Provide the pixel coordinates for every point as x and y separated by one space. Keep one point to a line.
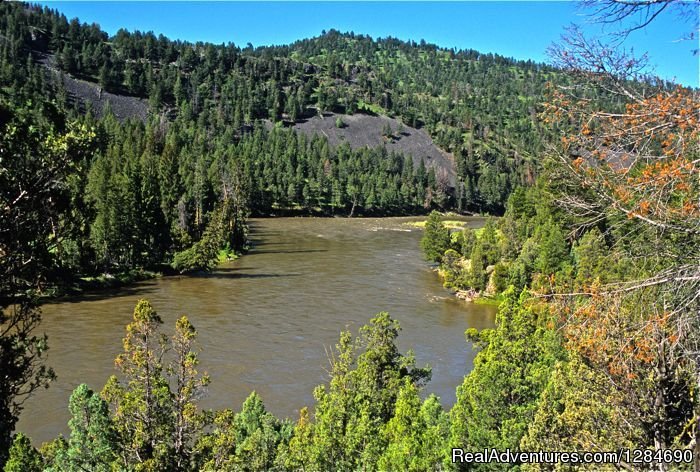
480 108
595 262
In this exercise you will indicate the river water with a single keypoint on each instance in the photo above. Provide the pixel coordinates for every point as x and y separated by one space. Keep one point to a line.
267 320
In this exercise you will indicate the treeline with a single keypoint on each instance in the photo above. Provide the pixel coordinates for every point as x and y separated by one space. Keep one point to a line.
480 107
290 171
176 189
137 194
126 199
586 354
528 248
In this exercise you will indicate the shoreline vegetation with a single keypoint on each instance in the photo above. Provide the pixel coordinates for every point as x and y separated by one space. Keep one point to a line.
83 285
116 280
458 231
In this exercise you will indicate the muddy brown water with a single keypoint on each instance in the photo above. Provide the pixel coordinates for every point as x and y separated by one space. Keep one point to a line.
266 321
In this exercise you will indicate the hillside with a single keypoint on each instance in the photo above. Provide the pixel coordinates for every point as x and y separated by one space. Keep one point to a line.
359 131
480 109
594 264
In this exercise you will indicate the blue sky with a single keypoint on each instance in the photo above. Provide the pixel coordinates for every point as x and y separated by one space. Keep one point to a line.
521 29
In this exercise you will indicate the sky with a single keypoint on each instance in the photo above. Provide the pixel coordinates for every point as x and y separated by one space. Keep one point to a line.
518 29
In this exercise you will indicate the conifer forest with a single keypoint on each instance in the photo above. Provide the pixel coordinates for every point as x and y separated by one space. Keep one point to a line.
560 198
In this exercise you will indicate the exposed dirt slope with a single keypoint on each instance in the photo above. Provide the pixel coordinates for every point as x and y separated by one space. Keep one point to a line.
89 94
362 130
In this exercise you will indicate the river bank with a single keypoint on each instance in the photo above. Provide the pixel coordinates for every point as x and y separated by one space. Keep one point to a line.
77 286
452 223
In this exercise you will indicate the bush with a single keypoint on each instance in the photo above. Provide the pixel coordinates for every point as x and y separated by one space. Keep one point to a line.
192 259
436 239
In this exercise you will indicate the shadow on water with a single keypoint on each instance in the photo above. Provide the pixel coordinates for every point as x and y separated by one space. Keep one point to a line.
231 269
106 293
265 233
230 273
258 242
289 252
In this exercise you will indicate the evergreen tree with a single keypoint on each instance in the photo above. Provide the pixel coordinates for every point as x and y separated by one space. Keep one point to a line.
436 238
488 239
216 449
499 397
554 250
92 444
477 267
467 242
23 457
578 411
258 435
360 400
188 387
416 435
142 406
590 258
299 455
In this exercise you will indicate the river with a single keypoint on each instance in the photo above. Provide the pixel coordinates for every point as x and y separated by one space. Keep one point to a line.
266 320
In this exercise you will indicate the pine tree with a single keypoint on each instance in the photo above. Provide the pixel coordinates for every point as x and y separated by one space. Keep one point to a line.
477 268
188 387
590 258
579 411
142 406
436 238
298 455
361 398
92 444
499 397
258 435
387 132
468 241
554 251
416 434
23 456
215 449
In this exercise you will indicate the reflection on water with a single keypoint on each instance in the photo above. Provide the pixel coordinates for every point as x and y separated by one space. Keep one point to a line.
266 320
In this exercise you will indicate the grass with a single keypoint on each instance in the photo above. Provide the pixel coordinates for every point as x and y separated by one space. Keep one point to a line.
226 255
371 107
451 224
491 301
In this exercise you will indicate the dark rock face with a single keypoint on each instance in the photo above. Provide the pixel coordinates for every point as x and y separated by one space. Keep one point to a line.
92 95
89 95
362 130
